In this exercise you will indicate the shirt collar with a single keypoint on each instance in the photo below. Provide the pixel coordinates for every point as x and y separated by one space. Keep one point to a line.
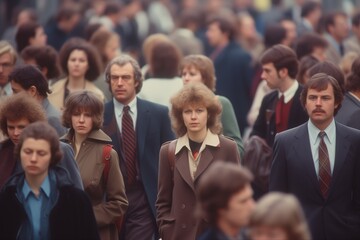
211 139
289 94
119 106
8 90
332 41
314 132
45 187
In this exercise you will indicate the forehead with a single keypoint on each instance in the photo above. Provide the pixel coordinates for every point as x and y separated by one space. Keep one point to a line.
36 144
19 122
126 69
194 105
326 91
6 58
78 53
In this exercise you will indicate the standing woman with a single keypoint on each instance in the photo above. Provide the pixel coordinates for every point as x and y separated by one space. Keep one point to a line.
83 115
199 68
41 202
81 64
195 118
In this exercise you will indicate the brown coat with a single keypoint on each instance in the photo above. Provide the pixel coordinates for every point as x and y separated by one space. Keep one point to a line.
90 162
176 201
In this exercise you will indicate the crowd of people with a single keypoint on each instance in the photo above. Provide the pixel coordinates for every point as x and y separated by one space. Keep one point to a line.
179 120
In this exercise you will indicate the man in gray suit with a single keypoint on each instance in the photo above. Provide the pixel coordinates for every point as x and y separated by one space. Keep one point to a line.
318 163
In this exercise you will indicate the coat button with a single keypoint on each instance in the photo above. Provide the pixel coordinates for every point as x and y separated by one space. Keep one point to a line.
183 206
183 226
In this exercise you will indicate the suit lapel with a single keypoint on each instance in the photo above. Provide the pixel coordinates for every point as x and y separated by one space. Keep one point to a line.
142 123
206 159
182 165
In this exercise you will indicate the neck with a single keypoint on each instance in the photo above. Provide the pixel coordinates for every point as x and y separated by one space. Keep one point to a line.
197 136
227 228
80 138
35 182
76 83
288 82
356 93
323 125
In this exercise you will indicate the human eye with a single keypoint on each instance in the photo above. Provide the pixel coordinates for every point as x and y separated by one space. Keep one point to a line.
126 77
87 114
42 153
27 151
187 111
200 110
312 97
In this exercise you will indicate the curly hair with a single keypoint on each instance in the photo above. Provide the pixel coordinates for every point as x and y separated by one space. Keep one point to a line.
83 101
20 106
93 58
195 94
41 130
204 65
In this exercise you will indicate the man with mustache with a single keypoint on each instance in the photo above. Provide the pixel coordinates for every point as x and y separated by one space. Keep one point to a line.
318 162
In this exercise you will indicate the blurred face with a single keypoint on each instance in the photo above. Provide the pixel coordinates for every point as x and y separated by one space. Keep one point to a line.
268 233
214 35
247 29
35 157
82 122
239 209
195 119
16 88
191 74
291 33
271 76
320 106
77 64
340 29
112 48
39 39
14 129
123 83
319 53
6 66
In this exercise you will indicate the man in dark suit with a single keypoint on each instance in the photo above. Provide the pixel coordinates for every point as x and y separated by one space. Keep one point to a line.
150 128
232 66
318 162
281 109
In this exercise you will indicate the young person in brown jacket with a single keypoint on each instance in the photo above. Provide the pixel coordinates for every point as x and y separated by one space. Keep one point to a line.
195 118
83 115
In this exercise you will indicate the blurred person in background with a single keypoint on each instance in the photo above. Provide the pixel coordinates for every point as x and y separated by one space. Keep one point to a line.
8 57
305 64
311 13
311 44
30 34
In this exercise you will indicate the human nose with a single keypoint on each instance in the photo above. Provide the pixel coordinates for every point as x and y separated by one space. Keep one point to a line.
263 75
17 131
318 101
193 114
81 119
33 156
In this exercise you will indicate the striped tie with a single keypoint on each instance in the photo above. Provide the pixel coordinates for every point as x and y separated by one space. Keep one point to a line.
129 145
324 166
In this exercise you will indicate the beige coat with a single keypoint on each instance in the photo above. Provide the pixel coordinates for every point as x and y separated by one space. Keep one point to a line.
56 97
90 162
176 201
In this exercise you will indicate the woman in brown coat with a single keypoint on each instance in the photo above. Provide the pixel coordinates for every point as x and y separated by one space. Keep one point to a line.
195 118
102 180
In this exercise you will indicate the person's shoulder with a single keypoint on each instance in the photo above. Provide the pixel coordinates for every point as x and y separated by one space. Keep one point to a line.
348 130
152 106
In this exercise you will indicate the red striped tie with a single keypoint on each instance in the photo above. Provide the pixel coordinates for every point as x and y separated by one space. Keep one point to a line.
324 166
129 144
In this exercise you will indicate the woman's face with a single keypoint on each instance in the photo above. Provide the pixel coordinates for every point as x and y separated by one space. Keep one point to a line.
268 233
77 64
112 48
40 37
82 122
195 118
35 155
191 74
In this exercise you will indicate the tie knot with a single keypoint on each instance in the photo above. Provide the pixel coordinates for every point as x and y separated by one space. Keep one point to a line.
322 134
126 109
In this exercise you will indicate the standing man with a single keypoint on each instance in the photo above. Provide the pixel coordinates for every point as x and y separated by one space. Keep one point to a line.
137 128
7 62
232 66
228 211
281 109
318 162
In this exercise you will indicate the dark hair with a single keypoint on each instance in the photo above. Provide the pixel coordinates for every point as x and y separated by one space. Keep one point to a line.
83 101
226 24
330 69
355 20
307 43
122 60
66 12
27 76
165 59
41 130
93 58
195 93
320 82
274 34
45 57
90 29
112 7
353 80
329 19
24 33
218 184
305 64
20 106
282 57
309 7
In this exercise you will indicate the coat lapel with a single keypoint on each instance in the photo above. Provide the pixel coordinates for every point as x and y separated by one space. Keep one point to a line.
206 159
142 124
182 165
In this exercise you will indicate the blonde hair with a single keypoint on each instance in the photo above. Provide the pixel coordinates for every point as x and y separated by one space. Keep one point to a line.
283 211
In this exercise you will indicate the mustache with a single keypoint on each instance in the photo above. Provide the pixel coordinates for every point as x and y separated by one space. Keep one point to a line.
318 110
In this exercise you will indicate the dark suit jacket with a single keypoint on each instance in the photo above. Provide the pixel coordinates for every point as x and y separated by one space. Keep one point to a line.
152 130
293 171
267 129
234 76
349 113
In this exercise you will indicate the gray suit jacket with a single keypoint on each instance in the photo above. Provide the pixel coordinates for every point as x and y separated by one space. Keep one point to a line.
349 113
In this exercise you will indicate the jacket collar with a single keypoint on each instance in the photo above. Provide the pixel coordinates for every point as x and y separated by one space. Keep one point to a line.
211 139
95 135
